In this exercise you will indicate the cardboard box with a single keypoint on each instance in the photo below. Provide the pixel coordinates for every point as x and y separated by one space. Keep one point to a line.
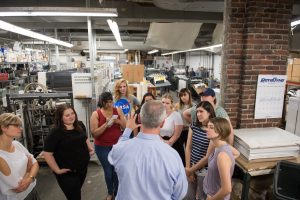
289 71
296 70
295 79
296 61
133 73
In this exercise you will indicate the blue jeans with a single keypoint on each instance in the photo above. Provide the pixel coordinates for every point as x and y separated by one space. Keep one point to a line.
111 178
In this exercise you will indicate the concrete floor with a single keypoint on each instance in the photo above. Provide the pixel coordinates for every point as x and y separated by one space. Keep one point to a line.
94 187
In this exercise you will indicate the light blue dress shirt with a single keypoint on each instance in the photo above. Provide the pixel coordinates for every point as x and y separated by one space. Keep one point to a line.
147 168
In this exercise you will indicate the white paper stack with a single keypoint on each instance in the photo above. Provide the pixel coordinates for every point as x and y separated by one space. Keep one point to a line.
266 143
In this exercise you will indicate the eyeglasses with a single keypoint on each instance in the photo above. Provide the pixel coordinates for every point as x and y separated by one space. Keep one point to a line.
16 125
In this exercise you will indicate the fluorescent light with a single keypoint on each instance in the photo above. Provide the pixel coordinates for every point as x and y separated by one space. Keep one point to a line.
115 30
109 51
153 51
295 23
58 11
16 29
197 49
30 49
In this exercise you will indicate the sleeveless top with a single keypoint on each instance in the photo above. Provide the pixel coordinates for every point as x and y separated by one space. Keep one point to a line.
199 144
17 162
212 181
111 135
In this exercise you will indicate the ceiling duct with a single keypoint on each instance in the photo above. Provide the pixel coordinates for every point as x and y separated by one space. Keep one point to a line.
218 34
190 5
172 36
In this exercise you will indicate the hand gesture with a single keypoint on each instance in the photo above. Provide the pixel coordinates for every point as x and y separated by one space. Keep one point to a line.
23 184
191 178
131 122
188 171
91 151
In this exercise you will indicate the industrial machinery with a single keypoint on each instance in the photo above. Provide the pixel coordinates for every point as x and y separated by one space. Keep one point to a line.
36 107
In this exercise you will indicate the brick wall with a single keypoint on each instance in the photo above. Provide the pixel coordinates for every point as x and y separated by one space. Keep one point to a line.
256 41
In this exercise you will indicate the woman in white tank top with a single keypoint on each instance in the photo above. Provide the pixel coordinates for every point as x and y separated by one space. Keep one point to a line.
18 168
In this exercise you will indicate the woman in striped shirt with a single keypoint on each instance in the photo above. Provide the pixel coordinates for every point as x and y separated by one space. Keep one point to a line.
196 148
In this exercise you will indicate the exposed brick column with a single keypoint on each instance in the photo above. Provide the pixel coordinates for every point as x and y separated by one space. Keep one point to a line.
256 41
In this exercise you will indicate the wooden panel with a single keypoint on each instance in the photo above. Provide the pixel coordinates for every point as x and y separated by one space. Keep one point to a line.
133 73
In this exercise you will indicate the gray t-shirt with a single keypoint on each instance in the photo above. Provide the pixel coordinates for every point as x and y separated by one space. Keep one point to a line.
220 112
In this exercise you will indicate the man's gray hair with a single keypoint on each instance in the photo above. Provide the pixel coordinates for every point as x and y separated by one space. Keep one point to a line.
152 114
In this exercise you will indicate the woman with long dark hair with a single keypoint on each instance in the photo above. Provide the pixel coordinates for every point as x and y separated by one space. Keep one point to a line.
185 102
196 148
147 97
67 151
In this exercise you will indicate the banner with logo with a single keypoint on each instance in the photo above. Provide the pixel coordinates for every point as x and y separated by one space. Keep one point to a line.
269 96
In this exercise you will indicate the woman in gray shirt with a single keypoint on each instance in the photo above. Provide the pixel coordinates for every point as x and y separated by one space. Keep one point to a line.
217 182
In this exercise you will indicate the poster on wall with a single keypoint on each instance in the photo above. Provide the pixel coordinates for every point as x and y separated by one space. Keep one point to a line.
269 96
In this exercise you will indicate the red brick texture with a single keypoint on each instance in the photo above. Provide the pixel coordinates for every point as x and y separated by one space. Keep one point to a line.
256 41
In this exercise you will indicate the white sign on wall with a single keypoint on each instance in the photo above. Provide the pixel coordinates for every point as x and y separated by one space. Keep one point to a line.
269 96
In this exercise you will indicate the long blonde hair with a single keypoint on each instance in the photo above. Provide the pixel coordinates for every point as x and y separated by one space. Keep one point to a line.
117 93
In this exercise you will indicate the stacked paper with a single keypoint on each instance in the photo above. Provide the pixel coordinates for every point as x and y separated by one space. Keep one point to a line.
265 143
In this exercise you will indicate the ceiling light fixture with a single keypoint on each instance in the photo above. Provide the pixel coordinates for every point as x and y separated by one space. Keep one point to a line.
115 30
22 31
58 11
109 51
197 49
153 51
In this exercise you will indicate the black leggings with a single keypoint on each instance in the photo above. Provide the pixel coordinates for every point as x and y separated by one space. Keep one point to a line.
71 183
178 146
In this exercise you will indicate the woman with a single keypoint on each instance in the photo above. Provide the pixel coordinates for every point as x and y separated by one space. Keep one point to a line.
210 96
185 102
196 148
172 126
123 98
106 123
147 97
67 151
18 168
217 182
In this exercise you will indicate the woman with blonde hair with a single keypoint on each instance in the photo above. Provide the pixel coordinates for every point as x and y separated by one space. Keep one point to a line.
123 98
172 126
18 168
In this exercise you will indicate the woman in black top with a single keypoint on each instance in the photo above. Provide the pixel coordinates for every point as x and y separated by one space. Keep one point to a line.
147 97
67 151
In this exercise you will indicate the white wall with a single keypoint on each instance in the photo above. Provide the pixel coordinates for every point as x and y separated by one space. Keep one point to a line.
206 59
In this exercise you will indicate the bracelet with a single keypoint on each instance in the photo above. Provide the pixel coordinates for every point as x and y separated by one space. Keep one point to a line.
32 178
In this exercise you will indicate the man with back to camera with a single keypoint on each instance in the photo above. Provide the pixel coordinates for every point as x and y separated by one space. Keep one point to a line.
147 167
